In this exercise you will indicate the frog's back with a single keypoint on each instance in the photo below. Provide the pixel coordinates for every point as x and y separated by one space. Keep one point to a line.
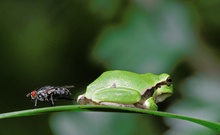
122 79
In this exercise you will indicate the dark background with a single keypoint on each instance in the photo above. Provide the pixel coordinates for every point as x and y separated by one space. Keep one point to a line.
73 42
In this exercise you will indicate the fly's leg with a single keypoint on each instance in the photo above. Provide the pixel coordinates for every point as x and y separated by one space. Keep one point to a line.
51 100
35 103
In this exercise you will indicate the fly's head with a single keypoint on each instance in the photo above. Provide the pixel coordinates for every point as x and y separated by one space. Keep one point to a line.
40 95
33 94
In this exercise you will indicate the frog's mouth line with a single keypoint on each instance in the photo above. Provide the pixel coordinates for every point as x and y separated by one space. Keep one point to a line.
149 92
159 85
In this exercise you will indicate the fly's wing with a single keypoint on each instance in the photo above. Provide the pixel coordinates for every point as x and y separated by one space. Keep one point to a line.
49 91
69 86
116 95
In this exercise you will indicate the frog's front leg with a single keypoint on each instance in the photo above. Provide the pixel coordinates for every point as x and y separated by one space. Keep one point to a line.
148 104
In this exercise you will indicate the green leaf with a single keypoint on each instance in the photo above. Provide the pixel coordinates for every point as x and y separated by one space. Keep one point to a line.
80 108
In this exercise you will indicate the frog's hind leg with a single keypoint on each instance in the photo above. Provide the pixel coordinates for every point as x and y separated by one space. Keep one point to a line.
116 96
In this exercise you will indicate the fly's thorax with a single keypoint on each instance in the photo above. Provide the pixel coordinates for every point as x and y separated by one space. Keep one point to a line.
42 95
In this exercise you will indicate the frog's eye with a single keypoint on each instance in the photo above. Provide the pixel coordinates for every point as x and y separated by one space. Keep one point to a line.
169 80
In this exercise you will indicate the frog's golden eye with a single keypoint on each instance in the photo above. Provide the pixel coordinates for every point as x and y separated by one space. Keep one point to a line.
169 80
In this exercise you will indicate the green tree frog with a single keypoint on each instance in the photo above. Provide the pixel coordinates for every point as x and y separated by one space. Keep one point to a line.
128 89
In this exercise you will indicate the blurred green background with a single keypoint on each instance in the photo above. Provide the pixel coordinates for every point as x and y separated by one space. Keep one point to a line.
72 42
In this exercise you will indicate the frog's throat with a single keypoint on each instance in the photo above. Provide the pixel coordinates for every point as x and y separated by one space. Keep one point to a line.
149 92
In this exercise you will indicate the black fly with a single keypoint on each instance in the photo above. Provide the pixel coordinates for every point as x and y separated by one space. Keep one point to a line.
50 94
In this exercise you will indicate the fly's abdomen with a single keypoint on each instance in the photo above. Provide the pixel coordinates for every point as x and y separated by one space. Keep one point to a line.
61 93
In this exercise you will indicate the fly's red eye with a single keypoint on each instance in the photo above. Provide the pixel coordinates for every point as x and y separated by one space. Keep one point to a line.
33 94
